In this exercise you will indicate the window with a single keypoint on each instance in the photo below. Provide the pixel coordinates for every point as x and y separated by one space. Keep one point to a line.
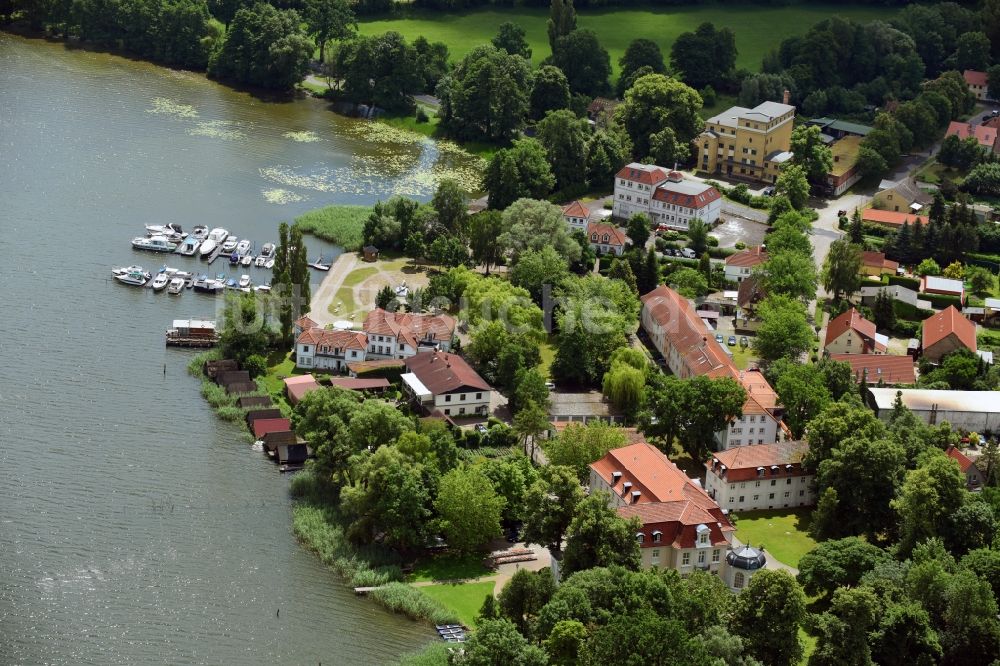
305 349
701 557
756 484
731 499
462 411
447 411
787 493
755 497
447 398
715 555
802 493
788 482
461 397
685 559
479 396
703 538
738 580
773 481
741 499
640 537
656 556
770 496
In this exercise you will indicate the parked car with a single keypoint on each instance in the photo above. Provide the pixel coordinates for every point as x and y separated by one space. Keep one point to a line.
550 386
718 337
732 340
481 428
768 191
743 341
688 253
995 113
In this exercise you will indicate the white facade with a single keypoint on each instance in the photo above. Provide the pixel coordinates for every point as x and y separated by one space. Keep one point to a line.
678 216
763 493
666 198
390 346
634 187
463 403
748 430
325 357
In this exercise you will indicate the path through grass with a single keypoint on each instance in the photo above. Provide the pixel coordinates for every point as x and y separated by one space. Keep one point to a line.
757 28
784 533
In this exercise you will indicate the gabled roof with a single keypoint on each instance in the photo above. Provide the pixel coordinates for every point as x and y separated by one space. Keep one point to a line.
748 258
615 235
687 194
647 174
984 134
410 327
947 322
305 323
974 78
575 209
359 384
850 321
878 260
750 291
964 463
687 332
741 463
299 386
336 339
891 218
941 284
887 368
442 372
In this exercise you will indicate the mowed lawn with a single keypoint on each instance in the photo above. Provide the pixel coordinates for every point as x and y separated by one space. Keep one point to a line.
465 598
783 533
758 29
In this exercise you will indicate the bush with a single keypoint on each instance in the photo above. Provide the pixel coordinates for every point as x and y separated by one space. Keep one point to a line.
906 329
341 225
402 598
713 241
942 300
422 116
215 395
740 245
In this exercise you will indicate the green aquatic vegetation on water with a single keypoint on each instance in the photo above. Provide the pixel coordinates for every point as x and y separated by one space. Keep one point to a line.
341 225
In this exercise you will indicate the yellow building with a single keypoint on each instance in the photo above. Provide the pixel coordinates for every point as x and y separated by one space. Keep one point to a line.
748 144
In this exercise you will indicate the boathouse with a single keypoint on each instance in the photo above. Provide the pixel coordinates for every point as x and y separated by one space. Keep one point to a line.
248 402
263 426
213 368
299 386
254 414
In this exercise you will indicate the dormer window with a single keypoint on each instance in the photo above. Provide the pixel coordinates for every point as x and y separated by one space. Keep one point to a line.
640 537
657 536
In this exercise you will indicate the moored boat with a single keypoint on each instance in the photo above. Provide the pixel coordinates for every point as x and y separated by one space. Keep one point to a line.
243 247
247 259
218 234
176 286
160 281
229 245
234 259
154 244
135 278
130 269
189 246
269 264
207 247
244 280
199 233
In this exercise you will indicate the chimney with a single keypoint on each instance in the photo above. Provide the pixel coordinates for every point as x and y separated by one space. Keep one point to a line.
786 97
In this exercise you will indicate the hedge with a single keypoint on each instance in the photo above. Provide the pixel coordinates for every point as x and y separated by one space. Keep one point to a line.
909 283
942 300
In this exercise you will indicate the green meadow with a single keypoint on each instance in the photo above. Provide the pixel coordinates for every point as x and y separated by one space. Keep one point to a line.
757 28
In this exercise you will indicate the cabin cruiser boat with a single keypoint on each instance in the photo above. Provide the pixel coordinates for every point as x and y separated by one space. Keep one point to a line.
160 281
243 247
175 272
266 288
269 264
205 285
244 280
176 286
234 259
229 245
247 259
199 233
130 269
135 278
231 283
207 248
154 244
267 252
189 246
165 230
218 234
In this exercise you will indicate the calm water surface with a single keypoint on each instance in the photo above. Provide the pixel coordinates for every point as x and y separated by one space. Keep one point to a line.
135 527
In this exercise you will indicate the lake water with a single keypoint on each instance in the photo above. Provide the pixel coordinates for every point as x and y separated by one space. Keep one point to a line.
136 527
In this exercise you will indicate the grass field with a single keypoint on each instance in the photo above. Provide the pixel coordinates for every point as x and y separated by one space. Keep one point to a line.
757 28
464 599
783 533
449 567
548 353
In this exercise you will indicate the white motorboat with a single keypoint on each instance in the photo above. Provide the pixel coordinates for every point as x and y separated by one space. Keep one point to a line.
244 281
199 233
229 246
243 247
133 277
154 244
260 261
266 288
207 247
269 264
268 251
189 246
247 259
218 234
175 272
165 230
160 281
123 270
176 286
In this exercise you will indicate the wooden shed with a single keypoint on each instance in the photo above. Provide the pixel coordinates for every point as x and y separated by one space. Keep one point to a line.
263 426
213 368
254 414
241 387
370 253
292 454
277 437
227 377
253 402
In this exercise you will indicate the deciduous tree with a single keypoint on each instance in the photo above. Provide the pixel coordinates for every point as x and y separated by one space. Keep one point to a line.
469 508
842 269
767 614
550 504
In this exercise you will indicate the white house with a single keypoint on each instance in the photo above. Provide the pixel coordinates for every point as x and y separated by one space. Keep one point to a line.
329 350
444 382
740 266
606 238
665 196
401 335
763 476
576 216
634 187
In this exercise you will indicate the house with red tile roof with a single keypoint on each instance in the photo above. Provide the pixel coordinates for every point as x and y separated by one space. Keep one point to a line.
740 266
576 216
682 528
321 349
875 264
634 187
850 333
666 197
888 369
978 83
762 476
606 238
891 219
689 349
303 323
985 135
401 335
946 331
440 381
973 476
